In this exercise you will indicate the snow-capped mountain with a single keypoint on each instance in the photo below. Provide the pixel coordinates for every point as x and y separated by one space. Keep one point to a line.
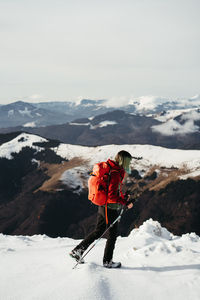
118 127
28 115
42 114
152 104
50 113
152 257
84 108
141 105
43 183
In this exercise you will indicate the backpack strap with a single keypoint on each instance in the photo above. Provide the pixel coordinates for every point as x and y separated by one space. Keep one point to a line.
106 204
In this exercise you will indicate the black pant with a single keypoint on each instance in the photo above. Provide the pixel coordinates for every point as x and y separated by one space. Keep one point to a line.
100 228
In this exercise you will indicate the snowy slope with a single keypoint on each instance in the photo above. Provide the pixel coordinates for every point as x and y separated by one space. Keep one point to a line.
76 177
21 141
189 160
151 155
154 104
171 114
156 265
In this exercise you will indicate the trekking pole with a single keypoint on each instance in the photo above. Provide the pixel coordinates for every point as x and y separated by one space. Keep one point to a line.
94 244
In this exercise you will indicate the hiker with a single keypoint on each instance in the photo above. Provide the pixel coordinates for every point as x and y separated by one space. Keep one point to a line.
109 212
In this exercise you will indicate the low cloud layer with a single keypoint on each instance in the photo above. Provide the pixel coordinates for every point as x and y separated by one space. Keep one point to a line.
192 115
172 127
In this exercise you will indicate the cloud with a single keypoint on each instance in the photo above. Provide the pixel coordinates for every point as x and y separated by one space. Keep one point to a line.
109 102
172 127
143 103
146 103
35 97
117 101
192 115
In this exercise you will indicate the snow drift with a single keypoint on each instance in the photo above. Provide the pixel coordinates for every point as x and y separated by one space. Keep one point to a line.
155 265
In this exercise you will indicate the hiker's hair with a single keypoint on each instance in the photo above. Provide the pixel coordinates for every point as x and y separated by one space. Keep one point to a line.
123 159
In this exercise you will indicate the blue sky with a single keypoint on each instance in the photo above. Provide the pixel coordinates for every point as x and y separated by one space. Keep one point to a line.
62 50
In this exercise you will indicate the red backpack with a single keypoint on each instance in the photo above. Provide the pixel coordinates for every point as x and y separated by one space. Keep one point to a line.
98 183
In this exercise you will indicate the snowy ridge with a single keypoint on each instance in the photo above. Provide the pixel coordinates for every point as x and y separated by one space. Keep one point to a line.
166 265
189 160
171 114
21 141
153 155
76 176
171 126
101 124
152 103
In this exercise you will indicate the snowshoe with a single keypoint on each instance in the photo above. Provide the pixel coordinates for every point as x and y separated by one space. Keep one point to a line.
112 264
77 254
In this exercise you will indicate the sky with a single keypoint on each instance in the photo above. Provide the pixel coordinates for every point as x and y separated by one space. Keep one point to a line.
71 49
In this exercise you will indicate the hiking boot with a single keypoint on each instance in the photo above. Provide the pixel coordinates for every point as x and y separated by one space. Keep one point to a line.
77 254
112 264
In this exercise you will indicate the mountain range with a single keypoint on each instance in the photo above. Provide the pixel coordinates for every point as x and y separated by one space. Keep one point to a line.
43 186
169 129
42 114
45 161
147 120
50 113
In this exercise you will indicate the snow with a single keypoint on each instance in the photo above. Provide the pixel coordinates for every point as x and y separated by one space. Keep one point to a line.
151 156
21 141
77 177
101 124
10 113
25 112
107 123
190 175
196 98
30 124
172 127
35 161
171 114
155 265
191 115
146 103
72 178
79 124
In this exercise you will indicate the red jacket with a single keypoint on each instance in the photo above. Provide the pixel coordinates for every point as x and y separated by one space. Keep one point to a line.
115 194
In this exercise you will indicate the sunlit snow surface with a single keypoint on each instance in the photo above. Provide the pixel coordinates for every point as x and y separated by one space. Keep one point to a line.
21 141
30 124
155 265
76 177
151 156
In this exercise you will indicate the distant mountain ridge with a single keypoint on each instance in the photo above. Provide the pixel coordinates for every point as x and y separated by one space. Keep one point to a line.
50 113
119 127
92 123
25 114
43 114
